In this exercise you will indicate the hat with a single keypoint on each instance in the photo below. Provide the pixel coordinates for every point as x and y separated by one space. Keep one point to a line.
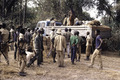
58 31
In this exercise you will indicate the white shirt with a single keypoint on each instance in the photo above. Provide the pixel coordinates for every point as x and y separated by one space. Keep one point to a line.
52 34
21 36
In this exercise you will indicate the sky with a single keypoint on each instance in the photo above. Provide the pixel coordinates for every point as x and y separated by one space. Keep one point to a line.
92 12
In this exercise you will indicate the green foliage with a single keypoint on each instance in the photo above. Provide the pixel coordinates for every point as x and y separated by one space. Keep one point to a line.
58 8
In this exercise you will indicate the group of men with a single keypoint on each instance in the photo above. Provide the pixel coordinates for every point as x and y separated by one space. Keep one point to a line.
69 42
29 46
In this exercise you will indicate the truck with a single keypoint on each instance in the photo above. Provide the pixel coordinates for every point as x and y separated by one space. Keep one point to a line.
83 29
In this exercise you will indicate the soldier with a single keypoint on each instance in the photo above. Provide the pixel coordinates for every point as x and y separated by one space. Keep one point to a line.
28 37
16 39
38 49
97 51
33 38
4 44
11 38
42 47
52 49
67 35
80 40
73 43
21 53
88 45
16 34
60 44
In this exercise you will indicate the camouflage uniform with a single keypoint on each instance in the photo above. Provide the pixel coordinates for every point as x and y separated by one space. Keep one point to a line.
21 53
4 44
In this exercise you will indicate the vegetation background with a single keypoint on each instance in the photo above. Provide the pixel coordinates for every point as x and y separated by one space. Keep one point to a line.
16 12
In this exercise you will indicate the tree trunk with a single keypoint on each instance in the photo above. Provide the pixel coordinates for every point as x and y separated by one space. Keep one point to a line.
25 10
3 10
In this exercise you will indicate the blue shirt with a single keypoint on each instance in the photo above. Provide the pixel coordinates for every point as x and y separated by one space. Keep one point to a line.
98 42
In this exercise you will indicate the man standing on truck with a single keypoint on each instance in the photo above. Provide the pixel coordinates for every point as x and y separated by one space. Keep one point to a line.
88 45
65 21
73 43
97 51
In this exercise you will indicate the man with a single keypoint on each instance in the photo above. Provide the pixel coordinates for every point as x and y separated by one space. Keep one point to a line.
80 40
38 49
65 21
52 49
4 44
22 54
97 51
11 38
88 45
33 38
69 30
28 37
68 21
60 44
67 36
42 47
73 43
16 33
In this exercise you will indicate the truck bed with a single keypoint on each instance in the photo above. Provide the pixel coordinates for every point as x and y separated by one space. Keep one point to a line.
83 29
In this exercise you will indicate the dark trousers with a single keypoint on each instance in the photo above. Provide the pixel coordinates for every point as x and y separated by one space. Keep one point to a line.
53 55
37 56
15 52
41 58
73 53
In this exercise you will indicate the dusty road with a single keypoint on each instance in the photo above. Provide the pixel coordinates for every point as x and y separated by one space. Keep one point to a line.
50 71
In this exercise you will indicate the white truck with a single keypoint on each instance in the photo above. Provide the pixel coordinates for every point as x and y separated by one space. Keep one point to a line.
83 29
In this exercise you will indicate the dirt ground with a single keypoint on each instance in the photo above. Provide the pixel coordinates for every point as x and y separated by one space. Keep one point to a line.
50 70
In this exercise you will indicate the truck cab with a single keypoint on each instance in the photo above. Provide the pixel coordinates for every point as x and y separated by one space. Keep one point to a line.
46 24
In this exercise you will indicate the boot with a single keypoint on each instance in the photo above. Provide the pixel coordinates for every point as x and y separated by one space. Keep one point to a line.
22 73
54 61
87 58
